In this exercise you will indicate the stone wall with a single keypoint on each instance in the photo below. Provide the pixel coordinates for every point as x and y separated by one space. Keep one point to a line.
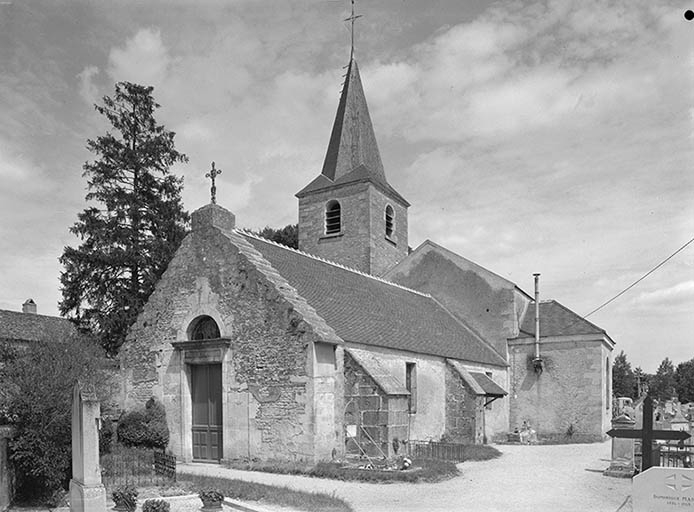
568 399
267 390
461 410
376 421
362 243
6 472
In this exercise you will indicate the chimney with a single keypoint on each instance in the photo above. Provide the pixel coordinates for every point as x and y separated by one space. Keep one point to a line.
537 361
29 306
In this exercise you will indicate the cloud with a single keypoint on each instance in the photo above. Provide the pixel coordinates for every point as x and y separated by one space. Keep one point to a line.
675 295
144 59
87 88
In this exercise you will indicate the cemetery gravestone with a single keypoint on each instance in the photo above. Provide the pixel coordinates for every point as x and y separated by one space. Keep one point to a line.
87 493
661 489
622 464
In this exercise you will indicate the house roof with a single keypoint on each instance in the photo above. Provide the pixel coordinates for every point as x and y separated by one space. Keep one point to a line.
379 373
352 154
489 387
371 311
30 327
556 320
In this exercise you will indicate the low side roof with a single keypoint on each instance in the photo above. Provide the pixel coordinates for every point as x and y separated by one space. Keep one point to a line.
379 373
557 320
370 311
489 387
28 327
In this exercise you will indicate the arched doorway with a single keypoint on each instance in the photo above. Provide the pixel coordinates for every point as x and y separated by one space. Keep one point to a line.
206 394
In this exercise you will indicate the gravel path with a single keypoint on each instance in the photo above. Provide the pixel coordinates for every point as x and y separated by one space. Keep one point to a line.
559 478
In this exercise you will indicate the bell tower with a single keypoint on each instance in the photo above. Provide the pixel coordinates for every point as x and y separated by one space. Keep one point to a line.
350 214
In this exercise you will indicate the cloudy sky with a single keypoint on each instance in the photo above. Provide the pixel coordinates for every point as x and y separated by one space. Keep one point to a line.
529 136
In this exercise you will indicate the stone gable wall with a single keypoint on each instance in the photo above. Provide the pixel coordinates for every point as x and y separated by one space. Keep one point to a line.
267 405
567 397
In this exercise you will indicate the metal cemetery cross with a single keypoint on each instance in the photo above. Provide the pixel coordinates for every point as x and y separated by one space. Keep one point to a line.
648 435
213 189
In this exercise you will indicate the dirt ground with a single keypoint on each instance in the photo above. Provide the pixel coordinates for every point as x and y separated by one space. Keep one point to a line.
557 478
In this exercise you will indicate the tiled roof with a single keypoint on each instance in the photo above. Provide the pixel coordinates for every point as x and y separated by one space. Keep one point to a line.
379 373
489 387
28 327
370 311
556 320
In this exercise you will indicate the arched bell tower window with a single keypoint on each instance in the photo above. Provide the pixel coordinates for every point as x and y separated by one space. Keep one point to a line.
204 328
333 218
390 218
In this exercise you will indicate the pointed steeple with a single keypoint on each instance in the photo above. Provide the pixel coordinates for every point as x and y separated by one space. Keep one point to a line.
352 141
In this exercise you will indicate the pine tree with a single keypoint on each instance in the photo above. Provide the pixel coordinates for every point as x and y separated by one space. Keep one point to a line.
131 233
662 385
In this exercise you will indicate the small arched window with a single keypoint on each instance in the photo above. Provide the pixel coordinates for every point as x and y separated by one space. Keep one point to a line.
204 328
333 218
390 216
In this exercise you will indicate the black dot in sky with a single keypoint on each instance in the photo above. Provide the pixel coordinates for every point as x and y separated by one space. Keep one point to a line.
689 15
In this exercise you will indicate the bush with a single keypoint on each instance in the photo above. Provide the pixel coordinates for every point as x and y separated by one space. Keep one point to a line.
105 436
36 398
145 428
156 506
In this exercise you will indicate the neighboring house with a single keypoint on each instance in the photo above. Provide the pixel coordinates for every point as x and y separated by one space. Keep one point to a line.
23 329
352 343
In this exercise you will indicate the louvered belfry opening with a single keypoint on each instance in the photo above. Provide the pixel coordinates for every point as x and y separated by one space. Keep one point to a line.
389 221
333 218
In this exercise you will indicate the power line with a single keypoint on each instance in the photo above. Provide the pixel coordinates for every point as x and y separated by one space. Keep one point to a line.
640 279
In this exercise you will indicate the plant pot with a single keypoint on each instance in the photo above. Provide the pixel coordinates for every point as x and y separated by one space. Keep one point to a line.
211 505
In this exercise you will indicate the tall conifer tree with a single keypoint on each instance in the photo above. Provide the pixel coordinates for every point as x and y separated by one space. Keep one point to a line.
136 223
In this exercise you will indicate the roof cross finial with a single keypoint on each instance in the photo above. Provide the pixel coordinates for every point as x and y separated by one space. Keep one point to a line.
352 19
213 189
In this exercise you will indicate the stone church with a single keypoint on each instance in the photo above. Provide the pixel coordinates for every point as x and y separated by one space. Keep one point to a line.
355 343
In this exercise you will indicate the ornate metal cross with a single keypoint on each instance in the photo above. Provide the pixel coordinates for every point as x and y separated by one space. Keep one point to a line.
352 19
213 189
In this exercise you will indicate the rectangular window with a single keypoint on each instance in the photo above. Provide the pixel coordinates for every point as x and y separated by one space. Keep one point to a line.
411 385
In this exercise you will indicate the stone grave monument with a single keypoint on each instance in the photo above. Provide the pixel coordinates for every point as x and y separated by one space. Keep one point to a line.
661 489
87 493
622 463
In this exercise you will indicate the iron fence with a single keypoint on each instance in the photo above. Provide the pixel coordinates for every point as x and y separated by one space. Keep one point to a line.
453 452
673 455
137 467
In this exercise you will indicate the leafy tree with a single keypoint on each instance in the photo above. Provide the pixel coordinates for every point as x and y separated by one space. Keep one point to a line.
131 234
288 235
642 381
662 385
623 378
684 381
36 399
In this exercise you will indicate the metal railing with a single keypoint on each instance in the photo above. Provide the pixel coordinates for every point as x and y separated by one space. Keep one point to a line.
137 467
453 452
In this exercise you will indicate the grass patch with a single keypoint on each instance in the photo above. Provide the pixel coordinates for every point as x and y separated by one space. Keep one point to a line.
481 452
422 470
282 496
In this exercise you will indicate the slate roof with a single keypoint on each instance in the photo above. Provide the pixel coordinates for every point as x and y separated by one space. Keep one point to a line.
556 320
380 374
352 154
489 387
29 327
367 310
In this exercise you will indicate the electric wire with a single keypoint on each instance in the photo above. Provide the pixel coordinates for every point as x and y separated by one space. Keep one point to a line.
639 279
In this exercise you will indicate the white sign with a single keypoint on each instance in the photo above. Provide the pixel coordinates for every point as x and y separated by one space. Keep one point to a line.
661 489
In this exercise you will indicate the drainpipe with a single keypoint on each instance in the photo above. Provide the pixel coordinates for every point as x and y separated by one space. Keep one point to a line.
537 362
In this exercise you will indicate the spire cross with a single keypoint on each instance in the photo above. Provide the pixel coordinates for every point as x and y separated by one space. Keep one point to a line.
213 189
352 19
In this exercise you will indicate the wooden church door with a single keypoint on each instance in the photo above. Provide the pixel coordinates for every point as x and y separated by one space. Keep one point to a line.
207 411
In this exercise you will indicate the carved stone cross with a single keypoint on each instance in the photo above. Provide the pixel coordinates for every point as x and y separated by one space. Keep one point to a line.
213 189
